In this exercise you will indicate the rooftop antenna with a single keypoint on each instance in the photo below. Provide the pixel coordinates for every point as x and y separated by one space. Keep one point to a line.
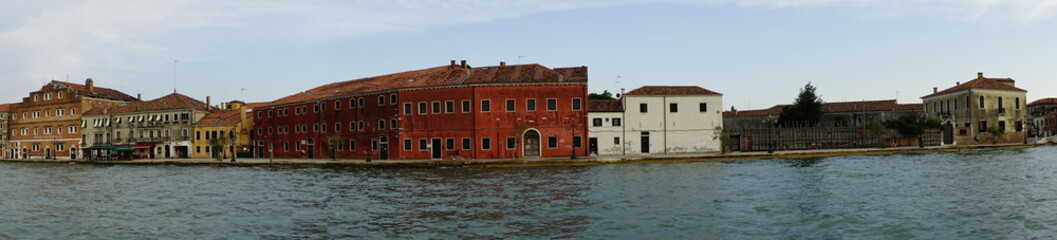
519 59
67 77
174 61
897 95
242 95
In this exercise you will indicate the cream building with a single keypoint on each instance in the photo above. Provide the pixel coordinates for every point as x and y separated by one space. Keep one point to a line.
5 151
657 120
159 128
968 109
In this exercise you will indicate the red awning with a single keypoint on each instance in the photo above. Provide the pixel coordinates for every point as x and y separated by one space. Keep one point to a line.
138 146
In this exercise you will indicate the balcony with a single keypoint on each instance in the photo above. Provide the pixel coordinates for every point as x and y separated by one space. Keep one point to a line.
1002 111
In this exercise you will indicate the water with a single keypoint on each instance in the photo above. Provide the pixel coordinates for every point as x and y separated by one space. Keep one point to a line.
1005 194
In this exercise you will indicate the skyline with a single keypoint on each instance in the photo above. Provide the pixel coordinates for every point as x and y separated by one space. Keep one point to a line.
850 50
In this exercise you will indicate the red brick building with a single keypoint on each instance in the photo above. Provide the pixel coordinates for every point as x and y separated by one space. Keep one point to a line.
454 111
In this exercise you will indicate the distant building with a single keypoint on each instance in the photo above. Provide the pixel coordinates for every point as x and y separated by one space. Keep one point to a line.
1043 114
657 120
234 123
159 128
968 109
47 123
453 111
854 113
5 151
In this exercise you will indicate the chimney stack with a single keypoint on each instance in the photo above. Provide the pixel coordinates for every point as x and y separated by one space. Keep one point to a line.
502 64
139 96
452 63
464 63
88 83
957 83
208 106
980 75
935 90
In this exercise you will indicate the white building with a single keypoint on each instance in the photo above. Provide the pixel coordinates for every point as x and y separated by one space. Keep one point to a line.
657 120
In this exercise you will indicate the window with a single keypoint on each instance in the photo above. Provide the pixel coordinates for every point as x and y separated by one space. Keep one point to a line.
260 115
362 126
47 96
552 142
436 107
486 105
955 104
1000 104
1019 126
616 122
643 108
466 106
702 107
392 98
449 107
361 102
576 142
337 105
1017 105
407 108
530 105
1002 125
60 112
352 103
352 145
374 142
466 144
983 126
269 130
577 106
381 124
337 127
381 100
511 143
422 144
393 124
59 94
510 105
596 122
616 140
673 107
449 144
315 127
315 108
269 114
552 104
981 102
352 126
198 149
422 108
486 143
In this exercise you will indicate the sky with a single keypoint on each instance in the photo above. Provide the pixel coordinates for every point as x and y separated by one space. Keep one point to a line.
758 53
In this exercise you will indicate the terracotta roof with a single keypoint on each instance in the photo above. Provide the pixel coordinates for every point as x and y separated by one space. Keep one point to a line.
604 106
1044 101
671 90
168 102
99 92
439 77
219 118
6 107
251 106
981 83
838 107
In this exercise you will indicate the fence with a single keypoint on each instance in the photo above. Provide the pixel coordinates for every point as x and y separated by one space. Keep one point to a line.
804 138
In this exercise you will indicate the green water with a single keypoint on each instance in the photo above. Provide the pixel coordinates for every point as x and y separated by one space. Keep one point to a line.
1005 194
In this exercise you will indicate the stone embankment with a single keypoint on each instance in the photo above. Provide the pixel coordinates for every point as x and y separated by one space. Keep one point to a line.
564 161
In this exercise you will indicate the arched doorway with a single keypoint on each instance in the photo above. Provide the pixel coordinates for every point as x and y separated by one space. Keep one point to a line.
73 153
531 143
25 153
948 134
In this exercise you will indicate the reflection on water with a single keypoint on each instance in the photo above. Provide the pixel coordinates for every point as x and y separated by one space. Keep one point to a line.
966 195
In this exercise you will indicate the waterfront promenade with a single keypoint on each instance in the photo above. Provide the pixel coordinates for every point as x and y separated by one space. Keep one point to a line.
557 161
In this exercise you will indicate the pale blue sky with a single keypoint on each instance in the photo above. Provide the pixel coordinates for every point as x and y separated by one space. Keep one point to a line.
756 52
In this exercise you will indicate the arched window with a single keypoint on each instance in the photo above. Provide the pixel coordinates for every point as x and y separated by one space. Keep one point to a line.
981 102
1000 106
381 100
1018 104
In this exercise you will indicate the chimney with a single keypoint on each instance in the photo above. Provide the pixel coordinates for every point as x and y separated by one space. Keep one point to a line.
935 90
88 83
980 75
957 83
464 63
452 63
208 103
139 96
502 64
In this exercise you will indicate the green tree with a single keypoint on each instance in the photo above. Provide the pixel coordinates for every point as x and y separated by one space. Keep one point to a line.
605 95
218 144
912 125
806 109
995 132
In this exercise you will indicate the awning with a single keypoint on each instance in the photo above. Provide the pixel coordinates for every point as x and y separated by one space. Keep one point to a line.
119 149
138 146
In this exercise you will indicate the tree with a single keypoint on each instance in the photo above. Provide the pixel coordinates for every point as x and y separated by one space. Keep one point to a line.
995 132
806 109
912 125
218 144
605 95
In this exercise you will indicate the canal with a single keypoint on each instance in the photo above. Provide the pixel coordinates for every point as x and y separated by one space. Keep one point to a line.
999 194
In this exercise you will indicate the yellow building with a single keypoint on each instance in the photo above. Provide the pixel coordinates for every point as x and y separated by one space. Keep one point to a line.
230 126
